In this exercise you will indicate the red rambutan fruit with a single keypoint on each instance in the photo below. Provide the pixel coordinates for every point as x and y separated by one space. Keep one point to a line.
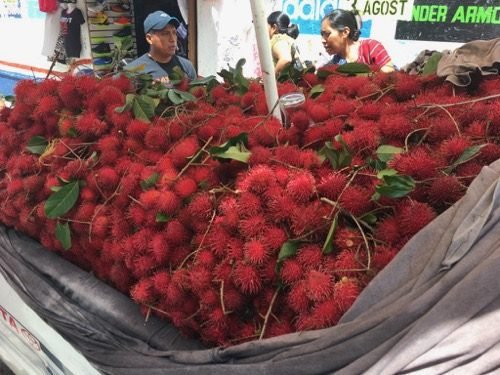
356 200
332 185
309 217
381 257
348 262
156 137
451 149
387 230
291 271
160 248
445 190
301 187
345 293
297 298
395 126
370 111
248 204
325 314
185 187
200 279
418 163
407 86
259 155
442 128
413 216
168 202
100 226
142 291
89 125
255 252
247 279
310 256
161 281
273 238
299 119
252 226
489 153
176 233
183 151
209 298
319 285
107 179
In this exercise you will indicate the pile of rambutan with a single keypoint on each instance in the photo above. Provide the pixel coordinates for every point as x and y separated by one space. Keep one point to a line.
276 234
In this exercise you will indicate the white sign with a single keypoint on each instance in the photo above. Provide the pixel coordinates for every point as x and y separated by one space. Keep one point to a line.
29 345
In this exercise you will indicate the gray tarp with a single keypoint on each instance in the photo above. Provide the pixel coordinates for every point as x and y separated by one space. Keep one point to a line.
434 309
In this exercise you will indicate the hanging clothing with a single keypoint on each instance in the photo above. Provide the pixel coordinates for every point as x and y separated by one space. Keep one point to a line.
71 22
52 29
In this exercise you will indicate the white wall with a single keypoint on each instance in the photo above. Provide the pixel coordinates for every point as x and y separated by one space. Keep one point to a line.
22 31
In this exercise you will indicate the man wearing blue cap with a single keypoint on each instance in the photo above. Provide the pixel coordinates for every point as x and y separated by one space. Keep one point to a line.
161 35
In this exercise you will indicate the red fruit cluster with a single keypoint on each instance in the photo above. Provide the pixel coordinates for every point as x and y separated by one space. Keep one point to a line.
227 251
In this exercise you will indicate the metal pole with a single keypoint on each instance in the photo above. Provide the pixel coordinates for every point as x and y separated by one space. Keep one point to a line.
265 57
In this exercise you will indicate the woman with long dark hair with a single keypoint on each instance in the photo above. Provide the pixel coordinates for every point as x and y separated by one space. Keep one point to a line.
282 36
340 32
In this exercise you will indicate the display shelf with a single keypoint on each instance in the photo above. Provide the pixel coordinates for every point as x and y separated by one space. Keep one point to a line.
103 29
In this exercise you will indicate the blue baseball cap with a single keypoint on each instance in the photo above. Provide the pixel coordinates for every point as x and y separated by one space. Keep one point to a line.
158 20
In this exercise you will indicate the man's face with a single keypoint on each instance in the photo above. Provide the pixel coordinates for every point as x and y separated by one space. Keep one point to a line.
163 41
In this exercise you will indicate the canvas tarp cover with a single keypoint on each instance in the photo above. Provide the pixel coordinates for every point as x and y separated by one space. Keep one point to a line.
434 309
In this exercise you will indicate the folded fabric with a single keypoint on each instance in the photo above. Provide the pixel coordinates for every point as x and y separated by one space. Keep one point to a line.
478 56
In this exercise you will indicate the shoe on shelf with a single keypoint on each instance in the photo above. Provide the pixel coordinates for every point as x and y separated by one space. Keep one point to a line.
103 61
126 31
122 20
119 8
102 48
99 19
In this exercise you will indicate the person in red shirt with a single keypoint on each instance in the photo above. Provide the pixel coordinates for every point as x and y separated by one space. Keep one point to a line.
340 36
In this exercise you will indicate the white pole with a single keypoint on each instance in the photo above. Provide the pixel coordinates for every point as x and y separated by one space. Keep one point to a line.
265 57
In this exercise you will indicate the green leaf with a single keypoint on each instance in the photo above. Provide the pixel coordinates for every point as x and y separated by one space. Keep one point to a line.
338 158
162 218
185 96
316 90
174 97
323 73
354 68
235 153
203 81
177 73
369 219
386 152
37 145
144 107
60 202
234 148
149 182
63 234
386 172
129 101
430 66
235 77
288 250
395 186
328 245
468 154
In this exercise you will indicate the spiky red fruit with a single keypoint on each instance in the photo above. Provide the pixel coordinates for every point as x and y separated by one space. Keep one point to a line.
246 277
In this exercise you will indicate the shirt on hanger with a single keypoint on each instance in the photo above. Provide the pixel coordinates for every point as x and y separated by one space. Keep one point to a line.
71 30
